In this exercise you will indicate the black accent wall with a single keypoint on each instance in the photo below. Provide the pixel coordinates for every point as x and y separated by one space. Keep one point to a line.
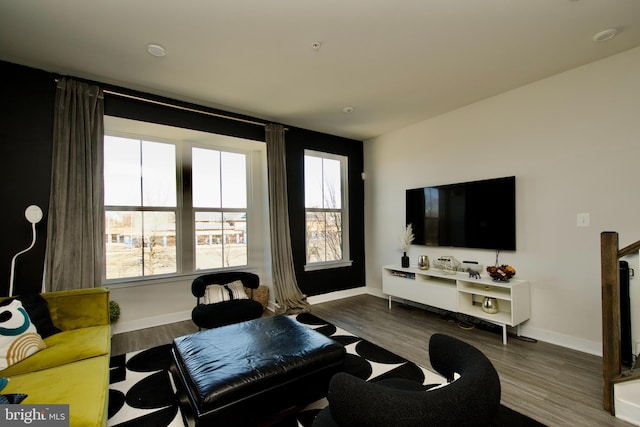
319 281
26 129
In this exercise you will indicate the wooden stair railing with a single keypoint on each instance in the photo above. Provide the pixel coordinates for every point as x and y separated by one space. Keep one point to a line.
611 357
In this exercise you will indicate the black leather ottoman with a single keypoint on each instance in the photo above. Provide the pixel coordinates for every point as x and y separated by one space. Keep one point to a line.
252 373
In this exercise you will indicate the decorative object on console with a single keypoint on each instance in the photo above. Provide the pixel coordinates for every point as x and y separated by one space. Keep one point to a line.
448 264
33 214
405 242
473 274
467 266
501 273
423 262
490 305
405 260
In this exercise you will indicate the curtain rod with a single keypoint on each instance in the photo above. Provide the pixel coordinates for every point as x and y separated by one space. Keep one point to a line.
179 107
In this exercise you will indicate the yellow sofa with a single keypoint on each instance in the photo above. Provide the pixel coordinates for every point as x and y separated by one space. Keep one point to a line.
74 367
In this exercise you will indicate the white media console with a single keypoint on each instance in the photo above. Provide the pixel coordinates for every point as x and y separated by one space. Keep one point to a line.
457 292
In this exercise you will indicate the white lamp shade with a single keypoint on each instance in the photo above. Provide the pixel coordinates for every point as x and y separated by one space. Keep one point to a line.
33 214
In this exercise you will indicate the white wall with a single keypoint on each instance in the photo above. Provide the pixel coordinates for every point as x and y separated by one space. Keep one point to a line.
573 142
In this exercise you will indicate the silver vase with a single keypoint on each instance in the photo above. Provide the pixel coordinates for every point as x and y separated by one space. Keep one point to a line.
423 262
490 305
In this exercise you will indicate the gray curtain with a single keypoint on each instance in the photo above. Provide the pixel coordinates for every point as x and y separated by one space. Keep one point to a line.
287 293
75 226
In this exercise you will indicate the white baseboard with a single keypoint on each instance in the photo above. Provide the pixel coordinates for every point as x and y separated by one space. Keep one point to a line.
332 296
627 401
567 341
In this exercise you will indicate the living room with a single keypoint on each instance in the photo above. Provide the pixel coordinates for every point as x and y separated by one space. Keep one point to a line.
569 138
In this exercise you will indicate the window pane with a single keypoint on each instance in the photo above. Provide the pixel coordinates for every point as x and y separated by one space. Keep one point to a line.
158 174
221 239
316 237
123 244
140 244
312 182
234 180
208 240
324 236
331 184
235 242
122 186
206 178
333 236
159 243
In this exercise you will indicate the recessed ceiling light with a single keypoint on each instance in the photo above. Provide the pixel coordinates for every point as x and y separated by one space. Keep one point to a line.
605 35
348 110
156 50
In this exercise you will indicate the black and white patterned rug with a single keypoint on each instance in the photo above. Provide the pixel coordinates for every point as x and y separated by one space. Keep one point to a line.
142 393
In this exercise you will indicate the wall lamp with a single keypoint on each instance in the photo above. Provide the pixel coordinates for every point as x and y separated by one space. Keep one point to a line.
33 214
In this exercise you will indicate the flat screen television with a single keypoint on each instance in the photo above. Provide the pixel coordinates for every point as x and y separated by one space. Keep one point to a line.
478 214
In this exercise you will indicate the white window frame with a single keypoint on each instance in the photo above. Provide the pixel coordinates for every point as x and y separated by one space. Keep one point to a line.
344 191
185 212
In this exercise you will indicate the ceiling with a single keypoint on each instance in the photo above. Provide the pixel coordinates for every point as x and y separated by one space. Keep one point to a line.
395 62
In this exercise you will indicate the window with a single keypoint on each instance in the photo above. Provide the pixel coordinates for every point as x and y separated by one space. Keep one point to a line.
325 183
140 207
220 202
173 207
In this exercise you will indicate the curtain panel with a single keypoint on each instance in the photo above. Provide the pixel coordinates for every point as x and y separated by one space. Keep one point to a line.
287 293
75 228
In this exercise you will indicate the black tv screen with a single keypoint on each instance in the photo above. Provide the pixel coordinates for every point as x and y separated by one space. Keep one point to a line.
478 214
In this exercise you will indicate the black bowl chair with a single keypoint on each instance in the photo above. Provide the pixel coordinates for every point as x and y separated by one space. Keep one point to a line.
471 400
226 312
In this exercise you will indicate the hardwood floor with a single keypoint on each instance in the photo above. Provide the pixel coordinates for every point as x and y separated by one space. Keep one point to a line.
554 385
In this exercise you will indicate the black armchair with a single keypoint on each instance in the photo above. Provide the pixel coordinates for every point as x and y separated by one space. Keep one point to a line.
226 312
472 399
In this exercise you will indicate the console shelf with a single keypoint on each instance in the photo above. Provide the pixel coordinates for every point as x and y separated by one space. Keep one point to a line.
459 293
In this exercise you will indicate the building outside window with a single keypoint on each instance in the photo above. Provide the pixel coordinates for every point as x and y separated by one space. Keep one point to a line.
325 179
173 208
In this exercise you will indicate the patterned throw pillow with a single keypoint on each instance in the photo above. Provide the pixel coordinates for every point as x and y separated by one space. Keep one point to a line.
19 338
218 293
237 290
